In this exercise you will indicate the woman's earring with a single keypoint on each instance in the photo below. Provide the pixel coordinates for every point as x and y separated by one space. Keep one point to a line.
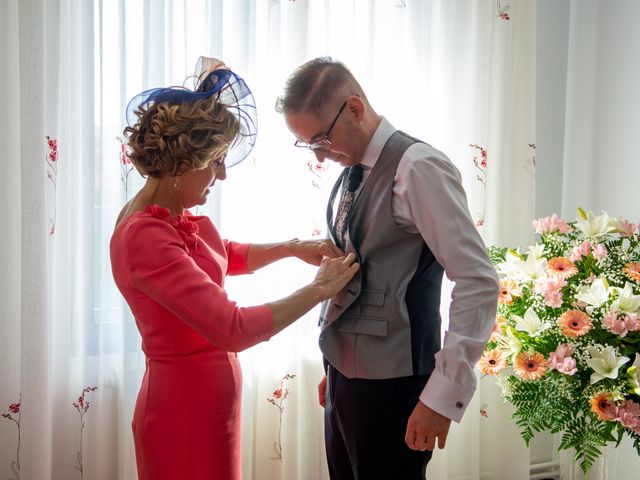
177 184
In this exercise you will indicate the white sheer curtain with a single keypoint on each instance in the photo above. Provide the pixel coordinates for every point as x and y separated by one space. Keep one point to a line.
457 74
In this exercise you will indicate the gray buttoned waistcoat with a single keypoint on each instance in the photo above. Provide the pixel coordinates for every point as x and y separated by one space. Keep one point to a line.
386 322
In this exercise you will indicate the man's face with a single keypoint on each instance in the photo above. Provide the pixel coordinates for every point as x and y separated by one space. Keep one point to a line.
333 138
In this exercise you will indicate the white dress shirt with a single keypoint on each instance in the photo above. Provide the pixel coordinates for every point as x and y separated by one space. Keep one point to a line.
428 199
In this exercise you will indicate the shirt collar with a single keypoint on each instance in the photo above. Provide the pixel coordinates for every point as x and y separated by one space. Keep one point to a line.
377 143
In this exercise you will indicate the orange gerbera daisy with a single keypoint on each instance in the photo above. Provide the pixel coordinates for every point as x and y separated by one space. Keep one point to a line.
530 365
508 290
562 267
492 362
632 269
574 323
604 406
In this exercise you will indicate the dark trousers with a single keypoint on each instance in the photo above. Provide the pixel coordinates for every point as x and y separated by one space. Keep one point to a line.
365 423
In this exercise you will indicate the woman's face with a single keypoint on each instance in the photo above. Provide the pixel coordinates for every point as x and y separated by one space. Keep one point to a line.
195 185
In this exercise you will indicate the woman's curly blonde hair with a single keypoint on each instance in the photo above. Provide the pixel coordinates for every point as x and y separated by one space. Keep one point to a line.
171 138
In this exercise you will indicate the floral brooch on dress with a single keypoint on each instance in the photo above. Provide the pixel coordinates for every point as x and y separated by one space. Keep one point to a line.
185 227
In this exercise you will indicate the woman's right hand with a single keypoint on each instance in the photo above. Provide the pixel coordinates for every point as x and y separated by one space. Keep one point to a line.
334 274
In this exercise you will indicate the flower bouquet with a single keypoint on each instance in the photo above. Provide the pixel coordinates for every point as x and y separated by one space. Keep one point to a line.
565 343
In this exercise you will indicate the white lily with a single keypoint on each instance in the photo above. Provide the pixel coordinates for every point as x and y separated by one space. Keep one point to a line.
595 294
536 250
634 379
533 268
605 363
595 225
531 323
510 343
511 264
627 302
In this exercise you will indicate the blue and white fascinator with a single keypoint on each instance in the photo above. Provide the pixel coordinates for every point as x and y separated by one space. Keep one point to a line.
212 80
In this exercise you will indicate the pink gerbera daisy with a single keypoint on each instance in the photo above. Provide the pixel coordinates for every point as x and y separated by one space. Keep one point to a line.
604 406
492 362
508 290
562 267
574 323
530 365
632 270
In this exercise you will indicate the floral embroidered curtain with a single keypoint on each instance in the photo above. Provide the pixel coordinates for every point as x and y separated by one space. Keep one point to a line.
459 75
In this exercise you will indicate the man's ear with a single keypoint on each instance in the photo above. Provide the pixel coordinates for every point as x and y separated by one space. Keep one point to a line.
356 107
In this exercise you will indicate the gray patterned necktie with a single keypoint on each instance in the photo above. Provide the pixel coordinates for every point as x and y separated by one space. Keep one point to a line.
353 181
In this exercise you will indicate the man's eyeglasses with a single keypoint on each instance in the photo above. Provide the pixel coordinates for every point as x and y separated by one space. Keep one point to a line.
324 143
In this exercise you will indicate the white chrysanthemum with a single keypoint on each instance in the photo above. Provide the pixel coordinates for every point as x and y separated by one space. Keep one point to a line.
605 363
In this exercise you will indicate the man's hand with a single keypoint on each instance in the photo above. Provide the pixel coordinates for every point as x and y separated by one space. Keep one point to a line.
312 251
424 426
322 391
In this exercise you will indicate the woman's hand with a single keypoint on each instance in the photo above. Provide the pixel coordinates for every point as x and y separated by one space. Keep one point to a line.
313 251
334 274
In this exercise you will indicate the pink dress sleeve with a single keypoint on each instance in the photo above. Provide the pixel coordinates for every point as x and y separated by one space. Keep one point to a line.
161 268
237 257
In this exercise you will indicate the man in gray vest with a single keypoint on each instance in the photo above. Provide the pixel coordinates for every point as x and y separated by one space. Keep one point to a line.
391 391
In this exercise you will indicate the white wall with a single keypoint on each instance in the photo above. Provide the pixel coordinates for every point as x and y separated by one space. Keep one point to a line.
588 125
588 102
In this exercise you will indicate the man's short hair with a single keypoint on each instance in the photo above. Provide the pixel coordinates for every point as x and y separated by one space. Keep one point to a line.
317 86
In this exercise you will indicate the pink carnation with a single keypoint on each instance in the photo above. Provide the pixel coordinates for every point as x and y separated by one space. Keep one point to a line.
610 317
629 415
564 350
568 366
551 224
562 360
620 325
626 228
551 287
580 251
633 325
599 251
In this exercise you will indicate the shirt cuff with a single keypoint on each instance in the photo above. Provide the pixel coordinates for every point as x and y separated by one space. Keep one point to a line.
446 397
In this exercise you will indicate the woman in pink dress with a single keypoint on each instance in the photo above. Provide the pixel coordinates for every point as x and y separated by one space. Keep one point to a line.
170 267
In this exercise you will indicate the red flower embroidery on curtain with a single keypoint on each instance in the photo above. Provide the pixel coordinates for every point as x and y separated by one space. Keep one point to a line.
481 165
82 406
503 12
277 399
126 167
14 409
52 174
532 146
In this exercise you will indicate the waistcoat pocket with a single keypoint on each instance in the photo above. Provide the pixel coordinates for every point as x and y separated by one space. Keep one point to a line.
364 325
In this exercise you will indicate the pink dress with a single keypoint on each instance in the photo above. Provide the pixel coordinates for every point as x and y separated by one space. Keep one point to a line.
171 270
